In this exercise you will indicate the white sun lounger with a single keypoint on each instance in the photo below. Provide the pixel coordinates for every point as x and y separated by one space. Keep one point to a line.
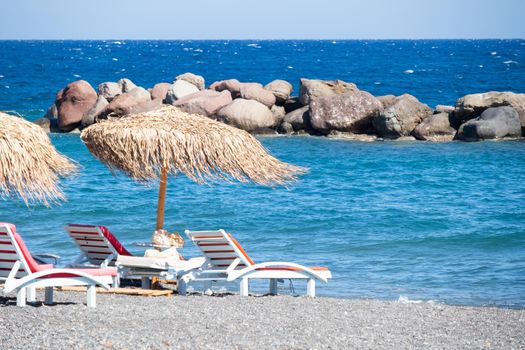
23 274
101 248
98 245
226 260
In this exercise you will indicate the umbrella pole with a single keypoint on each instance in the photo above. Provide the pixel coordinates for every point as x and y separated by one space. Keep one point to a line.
162 198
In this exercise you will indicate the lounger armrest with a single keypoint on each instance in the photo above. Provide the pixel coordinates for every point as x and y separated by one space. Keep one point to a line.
13 283
240 273
40 257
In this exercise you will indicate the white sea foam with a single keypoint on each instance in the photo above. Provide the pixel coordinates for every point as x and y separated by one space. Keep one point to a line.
334 42
117 42
377 83
510 62
1 76
115 59
76 75
493 53
290 67
405 300
7 86
409 71
198 50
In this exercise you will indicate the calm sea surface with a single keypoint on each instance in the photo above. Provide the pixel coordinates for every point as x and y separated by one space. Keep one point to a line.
442 222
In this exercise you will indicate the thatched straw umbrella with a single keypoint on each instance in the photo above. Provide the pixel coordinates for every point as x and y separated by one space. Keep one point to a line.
29 164
149 146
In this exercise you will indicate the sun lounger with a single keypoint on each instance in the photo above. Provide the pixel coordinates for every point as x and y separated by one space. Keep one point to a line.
226 260
101 248
169 268
98 245
23 274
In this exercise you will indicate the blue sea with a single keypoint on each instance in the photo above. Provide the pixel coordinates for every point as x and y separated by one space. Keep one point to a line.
392 220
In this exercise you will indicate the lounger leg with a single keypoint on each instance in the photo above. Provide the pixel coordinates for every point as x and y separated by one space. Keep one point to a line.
181 287
244 288
21 297
145 283
310 288
116 281
48 296
92 296
273 286
207 288
31 294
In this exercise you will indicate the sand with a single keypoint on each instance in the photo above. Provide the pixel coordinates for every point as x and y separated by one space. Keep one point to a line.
255 322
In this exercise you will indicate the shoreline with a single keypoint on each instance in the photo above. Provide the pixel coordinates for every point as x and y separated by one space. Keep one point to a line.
231 321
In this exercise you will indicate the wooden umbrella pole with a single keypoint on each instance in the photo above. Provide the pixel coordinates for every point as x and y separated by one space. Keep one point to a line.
162 197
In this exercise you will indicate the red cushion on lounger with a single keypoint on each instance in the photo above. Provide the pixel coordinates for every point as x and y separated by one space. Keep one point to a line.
114 241
33 265
97 272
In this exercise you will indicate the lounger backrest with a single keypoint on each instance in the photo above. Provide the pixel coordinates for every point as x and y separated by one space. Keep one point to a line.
96 242
220 249
12 249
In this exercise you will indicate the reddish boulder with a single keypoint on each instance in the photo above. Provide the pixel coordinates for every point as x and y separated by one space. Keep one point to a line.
232 85
159 91
205 102
352 111
72 102
254 91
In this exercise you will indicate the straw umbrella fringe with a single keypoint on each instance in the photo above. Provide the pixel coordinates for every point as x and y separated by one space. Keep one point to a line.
29 164
149 146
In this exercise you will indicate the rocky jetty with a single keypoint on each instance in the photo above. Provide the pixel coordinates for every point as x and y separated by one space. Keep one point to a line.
333 108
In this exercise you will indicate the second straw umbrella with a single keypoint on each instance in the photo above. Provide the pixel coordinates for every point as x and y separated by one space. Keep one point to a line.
150 146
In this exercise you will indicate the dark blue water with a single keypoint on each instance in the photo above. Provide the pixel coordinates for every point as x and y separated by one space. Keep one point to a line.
31 72
443 222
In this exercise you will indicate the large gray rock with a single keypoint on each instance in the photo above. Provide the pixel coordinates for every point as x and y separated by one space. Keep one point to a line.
126 85
72 102
248 115
281 89
313 89
444 109
471 106
159 91
196 80
298 119
109 90
254 91
179 89
90 116
278 114
436 127
52 112
493 123
140 94
292 104
232 85
387 100
352 111
401 118
121 105
205 102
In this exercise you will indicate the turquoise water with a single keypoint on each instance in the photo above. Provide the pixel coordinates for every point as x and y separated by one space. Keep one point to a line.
442 222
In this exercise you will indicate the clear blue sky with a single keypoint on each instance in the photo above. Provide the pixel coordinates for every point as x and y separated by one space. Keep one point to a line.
261 19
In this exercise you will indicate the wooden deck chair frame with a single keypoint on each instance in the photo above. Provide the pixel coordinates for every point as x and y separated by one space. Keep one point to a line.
26 275
226 260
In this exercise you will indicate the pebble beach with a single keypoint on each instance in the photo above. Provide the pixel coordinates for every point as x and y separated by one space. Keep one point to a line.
256 322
